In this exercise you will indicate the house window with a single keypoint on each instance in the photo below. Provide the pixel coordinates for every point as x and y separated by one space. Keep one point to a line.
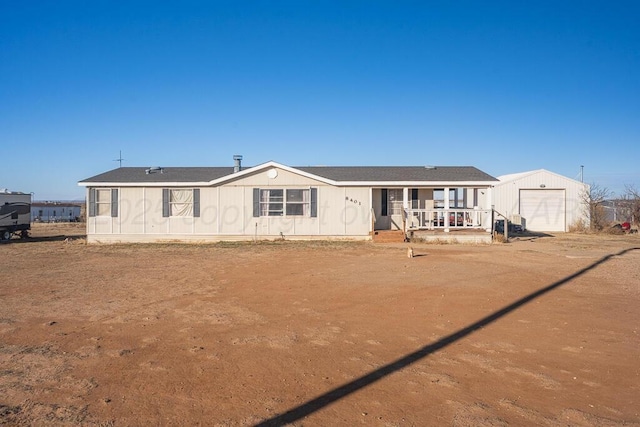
181 202
395 201
456 197
271 202
290 202
438 198
298 202
102 202
284 202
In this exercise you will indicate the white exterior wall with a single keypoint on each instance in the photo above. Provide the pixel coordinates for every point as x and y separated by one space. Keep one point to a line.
232 212
226 213
506 195
345 210
207 223
133 206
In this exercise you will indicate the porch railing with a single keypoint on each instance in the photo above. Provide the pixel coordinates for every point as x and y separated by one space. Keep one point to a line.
432 219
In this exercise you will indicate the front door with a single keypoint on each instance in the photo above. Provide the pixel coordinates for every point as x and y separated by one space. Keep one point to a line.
388 210
395 208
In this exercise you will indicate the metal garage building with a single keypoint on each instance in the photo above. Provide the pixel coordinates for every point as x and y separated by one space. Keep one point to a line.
541 200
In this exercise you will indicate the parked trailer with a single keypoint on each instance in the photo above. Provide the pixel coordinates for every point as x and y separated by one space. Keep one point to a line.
15 214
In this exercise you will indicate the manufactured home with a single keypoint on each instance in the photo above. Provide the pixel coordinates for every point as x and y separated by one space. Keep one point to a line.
58 211
272 200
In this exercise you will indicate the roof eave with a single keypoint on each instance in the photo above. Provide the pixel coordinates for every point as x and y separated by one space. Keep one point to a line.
271 164
144 184
415 183
334 183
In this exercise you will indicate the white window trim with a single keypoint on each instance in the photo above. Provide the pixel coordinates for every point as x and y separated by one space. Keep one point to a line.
267 210
103 207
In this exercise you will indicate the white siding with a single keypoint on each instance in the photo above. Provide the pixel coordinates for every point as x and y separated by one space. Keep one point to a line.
283 178
507 200
226 212
209 212
154 222
233 215
131 219
352 212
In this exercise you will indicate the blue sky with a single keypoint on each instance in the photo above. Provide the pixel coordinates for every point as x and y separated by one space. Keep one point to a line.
506 86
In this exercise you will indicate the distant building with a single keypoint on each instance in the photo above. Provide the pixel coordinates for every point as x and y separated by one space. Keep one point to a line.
618 210
55 211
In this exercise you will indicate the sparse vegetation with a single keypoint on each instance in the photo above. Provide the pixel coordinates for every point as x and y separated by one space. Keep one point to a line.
499 238
594 201
579 226
614 230
627 209
631 204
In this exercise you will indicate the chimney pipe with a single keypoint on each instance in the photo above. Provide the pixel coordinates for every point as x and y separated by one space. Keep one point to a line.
237 163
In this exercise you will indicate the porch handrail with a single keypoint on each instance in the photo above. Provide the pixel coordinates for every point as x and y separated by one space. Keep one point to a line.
455 218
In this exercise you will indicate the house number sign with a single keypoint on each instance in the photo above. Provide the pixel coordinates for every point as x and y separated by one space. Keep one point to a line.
354 201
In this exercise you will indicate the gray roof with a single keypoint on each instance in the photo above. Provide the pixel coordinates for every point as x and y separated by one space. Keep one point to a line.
399 173
178 174
334 173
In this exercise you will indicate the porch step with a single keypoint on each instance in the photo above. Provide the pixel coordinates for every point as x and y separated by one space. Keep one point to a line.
388 236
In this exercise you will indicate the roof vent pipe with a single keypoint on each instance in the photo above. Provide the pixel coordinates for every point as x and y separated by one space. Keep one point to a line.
237 163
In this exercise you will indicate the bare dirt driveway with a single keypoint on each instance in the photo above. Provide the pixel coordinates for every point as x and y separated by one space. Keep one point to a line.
539 331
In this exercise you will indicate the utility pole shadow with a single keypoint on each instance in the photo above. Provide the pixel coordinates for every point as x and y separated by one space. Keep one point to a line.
341 392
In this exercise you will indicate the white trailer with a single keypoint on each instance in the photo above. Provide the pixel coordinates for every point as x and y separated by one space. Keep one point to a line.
15 214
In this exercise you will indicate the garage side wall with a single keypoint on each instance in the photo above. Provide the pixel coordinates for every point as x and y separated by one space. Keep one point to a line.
551 202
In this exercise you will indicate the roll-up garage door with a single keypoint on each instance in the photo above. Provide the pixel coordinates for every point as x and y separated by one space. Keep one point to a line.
543 210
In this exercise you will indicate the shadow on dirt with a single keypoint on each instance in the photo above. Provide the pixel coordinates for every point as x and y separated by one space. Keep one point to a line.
338 393
57 238
532 234
528 236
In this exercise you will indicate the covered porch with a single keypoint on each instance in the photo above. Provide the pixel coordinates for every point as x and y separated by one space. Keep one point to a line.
432 209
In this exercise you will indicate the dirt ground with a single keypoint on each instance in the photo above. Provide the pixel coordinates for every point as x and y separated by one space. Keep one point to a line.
539 331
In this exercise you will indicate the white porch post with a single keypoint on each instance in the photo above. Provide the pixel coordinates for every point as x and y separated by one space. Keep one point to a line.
371 211
447 206
489 225
405 206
